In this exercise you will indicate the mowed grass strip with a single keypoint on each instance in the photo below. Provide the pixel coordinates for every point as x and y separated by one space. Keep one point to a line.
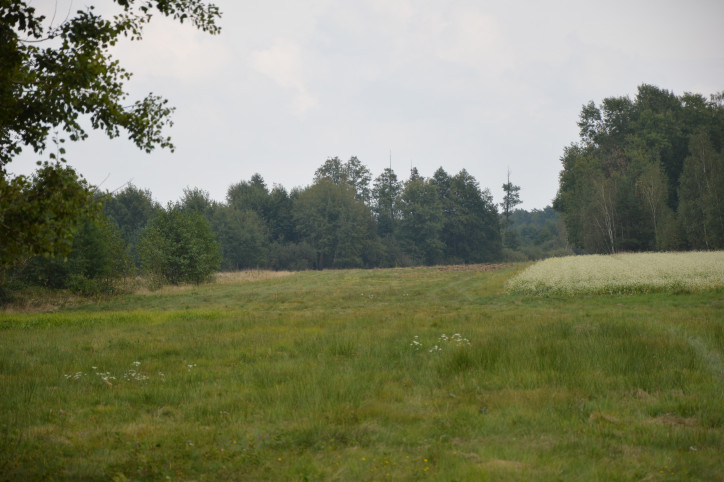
623 273
407 374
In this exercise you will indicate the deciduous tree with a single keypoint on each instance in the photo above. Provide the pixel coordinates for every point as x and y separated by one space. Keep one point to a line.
353 173
471 233
131 209
422 221
56 76
641 164
335 223
701 194
39 214
178 246
53 74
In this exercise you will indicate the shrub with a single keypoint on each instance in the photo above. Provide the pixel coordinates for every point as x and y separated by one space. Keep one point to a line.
97 260
242 237
292 256
178 246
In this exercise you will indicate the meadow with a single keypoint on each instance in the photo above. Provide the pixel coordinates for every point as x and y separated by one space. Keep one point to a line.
436 373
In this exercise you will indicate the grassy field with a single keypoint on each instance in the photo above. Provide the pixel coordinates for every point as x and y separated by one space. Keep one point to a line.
409 374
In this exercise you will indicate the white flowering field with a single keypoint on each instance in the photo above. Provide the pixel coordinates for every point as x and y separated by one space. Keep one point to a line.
622 273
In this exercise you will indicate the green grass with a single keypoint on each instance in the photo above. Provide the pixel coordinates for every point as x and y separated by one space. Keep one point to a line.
315 376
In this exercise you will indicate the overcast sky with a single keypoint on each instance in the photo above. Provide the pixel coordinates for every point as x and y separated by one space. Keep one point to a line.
484 86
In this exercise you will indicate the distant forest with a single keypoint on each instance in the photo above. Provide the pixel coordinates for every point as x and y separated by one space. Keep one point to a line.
345 219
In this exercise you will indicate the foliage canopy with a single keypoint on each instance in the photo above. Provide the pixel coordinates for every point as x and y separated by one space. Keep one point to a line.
61 76
647 174
51 73
179 246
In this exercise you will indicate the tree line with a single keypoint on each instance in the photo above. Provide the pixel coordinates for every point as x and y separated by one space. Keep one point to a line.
59 231
344 219
647 174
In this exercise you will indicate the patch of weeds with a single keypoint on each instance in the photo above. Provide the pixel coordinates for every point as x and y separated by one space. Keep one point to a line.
132 374
454 340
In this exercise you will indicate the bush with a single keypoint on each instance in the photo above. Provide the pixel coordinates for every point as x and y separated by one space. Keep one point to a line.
242 237
511 256
97 260
178 246
292 256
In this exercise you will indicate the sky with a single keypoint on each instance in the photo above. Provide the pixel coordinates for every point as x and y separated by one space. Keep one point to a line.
487 86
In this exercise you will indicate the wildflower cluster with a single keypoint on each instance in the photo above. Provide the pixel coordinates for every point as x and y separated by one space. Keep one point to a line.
132 374
135 374
75 376
105 376
455 339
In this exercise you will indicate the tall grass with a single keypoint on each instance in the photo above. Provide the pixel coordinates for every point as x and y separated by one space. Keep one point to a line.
623 273
406 374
